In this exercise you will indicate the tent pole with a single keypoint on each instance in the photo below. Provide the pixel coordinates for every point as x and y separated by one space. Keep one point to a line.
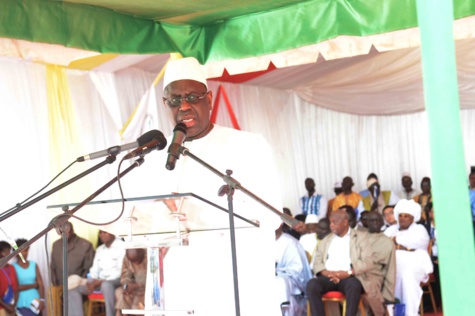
449 186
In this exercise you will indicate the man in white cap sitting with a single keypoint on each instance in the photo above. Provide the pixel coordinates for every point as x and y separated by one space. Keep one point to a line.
413 263
201 274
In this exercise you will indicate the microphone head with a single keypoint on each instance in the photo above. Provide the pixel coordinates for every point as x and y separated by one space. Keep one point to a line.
149 136
162 141
180 127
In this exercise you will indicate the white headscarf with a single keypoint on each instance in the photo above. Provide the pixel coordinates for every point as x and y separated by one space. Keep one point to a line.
407 207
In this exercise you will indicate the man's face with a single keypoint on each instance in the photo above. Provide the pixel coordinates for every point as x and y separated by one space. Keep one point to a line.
405 220
194 116
338 223
309 184
347 184
364 219
322 230
5 252
425 187
406 182
311 228
471 179
105 237
372 187
389 216
375 222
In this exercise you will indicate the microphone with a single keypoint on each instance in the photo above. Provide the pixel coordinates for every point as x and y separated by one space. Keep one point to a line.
179 135
158 142
142 140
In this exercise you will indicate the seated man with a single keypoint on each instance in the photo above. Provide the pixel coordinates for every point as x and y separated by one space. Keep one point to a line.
315 233
377 199
388 216
309 240
292 273
104 274
343 263
131 293
413 263
383 256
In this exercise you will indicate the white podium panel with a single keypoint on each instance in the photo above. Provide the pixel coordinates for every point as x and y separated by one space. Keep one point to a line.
150 215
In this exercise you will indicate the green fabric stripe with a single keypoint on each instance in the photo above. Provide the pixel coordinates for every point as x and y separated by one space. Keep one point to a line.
298 24
451 200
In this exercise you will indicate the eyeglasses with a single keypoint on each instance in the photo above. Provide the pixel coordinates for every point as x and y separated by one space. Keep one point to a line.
191 98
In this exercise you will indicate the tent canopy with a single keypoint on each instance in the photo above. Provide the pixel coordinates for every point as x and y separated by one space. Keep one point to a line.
209 30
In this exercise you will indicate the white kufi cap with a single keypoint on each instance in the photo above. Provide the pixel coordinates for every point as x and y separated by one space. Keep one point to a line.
408 207
184 69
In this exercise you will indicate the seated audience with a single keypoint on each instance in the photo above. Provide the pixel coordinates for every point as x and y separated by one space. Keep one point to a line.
8 284
292 273
30 284
347 197
131 293
343 263
413 263
104 274
408 192
384 257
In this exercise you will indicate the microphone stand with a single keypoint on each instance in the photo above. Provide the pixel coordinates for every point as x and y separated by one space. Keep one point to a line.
59 221
229 188
110 159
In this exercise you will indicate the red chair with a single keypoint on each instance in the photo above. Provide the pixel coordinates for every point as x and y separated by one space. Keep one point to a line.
336 296
95 305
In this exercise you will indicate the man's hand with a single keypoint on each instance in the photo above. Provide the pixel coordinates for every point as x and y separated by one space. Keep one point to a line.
300 226
336 276
91 286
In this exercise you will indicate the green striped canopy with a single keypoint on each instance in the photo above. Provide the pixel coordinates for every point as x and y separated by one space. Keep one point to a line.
209 30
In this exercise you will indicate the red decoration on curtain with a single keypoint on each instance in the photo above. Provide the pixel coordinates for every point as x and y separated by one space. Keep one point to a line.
214 112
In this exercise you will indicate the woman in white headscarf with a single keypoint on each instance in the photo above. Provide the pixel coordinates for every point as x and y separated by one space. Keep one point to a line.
413 263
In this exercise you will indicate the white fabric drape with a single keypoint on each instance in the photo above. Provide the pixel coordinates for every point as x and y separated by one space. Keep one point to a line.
386 83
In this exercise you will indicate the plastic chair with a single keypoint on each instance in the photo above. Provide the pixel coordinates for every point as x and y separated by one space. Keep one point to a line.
337 296
95 305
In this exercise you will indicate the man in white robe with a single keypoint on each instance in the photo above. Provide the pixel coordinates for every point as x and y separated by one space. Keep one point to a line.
413 263
199 277
292 274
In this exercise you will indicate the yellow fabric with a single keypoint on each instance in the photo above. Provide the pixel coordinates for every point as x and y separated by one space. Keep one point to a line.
173 56
92 62
64 141
341 199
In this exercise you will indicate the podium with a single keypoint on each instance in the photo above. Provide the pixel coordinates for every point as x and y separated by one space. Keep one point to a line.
158 223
